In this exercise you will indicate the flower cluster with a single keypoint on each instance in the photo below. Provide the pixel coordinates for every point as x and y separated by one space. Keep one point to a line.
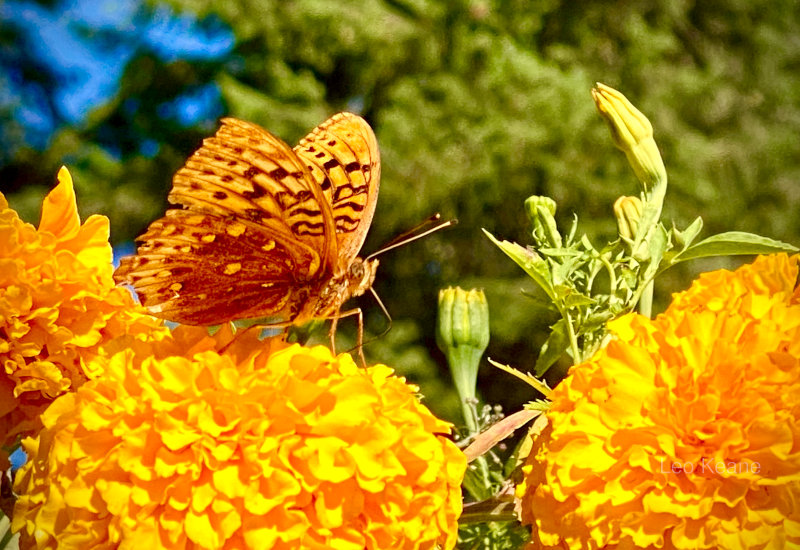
278 448
141 436
683 432
58 306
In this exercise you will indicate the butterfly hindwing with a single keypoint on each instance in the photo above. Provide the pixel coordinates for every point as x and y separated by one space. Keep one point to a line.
342 156
201 269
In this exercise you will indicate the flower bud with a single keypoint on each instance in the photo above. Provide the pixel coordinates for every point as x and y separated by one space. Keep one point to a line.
462 333
628 211
632 133
541 210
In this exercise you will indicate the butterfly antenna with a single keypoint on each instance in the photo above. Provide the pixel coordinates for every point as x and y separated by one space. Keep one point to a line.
431 225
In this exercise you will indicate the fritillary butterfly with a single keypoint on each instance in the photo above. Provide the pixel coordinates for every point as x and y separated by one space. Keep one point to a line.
262 230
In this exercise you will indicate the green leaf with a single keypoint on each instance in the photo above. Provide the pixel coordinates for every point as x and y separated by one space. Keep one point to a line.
475 484
529 261
553 348
657 246
686 237
732 243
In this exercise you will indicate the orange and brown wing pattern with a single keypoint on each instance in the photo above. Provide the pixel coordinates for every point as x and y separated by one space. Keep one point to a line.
343 158
246 172
254 237
261 228
202 269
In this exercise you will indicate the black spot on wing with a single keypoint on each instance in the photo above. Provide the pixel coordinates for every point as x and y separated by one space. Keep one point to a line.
278 174
251 172
257 192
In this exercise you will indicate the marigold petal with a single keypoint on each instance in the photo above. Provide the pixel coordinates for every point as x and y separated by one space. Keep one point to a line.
60 208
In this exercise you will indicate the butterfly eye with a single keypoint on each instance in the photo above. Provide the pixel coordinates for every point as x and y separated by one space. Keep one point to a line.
357 270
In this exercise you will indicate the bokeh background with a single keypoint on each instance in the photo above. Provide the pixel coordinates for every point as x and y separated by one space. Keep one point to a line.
476 105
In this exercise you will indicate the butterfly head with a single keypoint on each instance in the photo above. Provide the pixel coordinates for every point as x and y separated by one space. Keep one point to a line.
354 282
361 275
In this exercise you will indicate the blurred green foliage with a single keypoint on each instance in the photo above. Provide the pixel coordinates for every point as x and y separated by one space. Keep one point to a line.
477 105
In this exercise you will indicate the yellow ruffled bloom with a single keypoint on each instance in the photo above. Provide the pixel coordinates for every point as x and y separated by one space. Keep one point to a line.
683 432
59 306
262 448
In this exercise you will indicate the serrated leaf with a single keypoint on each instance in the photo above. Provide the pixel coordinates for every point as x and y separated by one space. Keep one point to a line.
532 381
529 261
577 299
733 243
553 348
567 269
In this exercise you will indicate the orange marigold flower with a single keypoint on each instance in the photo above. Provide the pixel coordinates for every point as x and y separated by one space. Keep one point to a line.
284 448
59 306
684 432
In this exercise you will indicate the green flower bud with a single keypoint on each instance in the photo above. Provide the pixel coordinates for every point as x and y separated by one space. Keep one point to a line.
632 133
628 211
462 333
540 211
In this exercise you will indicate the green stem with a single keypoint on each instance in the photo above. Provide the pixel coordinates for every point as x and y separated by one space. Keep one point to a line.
612 276
646 301
469 417
573 339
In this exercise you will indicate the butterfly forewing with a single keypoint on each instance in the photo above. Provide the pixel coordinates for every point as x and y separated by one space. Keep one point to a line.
342 156
246 172
260 232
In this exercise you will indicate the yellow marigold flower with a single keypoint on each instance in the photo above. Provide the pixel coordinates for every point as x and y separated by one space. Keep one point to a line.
683 432
285 448
58 306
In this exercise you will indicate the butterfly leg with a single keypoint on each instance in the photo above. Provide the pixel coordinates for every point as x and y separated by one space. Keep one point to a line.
360 341
332 333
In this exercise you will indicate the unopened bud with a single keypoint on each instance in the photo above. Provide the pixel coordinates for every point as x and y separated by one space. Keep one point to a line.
628 211
540 211
632 133
462 333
